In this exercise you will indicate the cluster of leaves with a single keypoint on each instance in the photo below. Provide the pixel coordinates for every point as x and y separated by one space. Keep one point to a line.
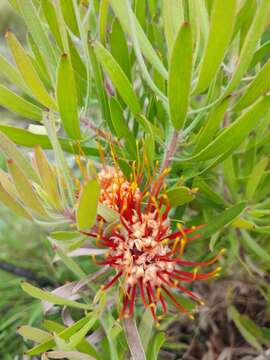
184 82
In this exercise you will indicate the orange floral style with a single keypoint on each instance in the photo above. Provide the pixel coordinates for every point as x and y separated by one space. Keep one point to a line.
146 254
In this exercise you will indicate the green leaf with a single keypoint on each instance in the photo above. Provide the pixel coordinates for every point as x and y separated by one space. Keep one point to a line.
34 334
67 97
221 28
7 183
17 104
11 152
51 298
26 190
10 73
119 48
180 74
69 15
118 77
37 30
121 12
247 335
155 346
51 17
180 195
29 73
121 128
255 247
258 86
83 346
71 264
65 235
249 46
213 121
233 135
29 139
255 177
172 13
100 89
87 206
208 191
47 176
108 214
63 334
261 55
218 222
13 204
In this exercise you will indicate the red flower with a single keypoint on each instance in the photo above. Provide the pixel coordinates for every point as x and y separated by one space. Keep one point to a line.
146 255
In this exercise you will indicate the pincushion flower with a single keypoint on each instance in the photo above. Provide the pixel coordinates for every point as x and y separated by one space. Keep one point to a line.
145 253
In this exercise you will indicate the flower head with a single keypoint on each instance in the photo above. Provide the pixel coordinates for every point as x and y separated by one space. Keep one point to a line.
143 250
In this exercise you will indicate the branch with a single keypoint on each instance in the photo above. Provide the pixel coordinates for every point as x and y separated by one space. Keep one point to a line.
133 339
25 273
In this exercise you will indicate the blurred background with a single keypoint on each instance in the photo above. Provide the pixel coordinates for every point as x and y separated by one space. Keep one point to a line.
25 254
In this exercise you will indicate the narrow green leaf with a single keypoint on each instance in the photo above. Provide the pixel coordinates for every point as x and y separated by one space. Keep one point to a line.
255 177
233 135
29 139
218 222
69 15
26 190
118 77
38 32
121 12
47 176
213 121
18 105
100 89
67 97
51 17
13 204
63 171
208 191
258 86
108 214
11 152
80 335
29 73
51 298
261 55
237 319
156 344
121 128
66 235
65 334
249 46
255 247
172 13
220 33
7 183
102 21
11 74
87 206
180 73
33 334
119 48
180 195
